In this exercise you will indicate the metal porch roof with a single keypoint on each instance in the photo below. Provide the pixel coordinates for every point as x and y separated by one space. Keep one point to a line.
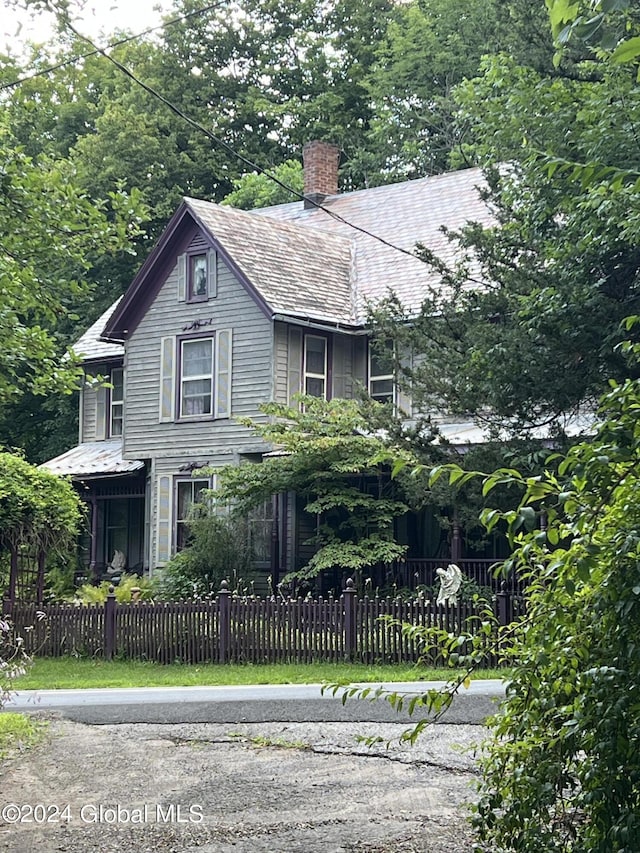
92 459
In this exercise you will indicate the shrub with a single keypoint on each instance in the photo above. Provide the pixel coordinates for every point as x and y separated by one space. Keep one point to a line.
219 549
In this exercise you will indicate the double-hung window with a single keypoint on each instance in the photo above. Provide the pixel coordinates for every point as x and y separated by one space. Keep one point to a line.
315 366
116 402
109 406
187 493
196 377
381 373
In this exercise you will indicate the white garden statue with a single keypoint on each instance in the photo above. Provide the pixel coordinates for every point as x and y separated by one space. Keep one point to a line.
450 581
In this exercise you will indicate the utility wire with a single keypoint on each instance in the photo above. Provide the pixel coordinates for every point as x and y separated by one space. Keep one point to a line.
228 148
182 115
96 51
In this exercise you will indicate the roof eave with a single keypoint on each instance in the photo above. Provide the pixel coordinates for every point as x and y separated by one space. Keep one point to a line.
115 330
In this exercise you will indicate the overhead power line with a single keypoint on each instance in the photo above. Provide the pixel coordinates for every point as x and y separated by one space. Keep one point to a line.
228 148
97 51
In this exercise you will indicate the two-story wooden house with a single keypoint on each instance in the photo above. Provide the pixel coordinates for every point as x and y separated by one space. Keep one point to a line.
233 309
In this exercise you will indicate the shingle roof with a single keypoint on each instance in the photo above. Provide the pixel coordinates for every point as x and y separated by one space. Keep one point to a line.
295 270
93 458
403 214
305 263
91 348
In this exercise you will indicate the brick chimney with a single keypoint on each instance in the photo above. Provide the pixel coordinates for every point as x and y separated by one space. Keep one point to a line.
320 161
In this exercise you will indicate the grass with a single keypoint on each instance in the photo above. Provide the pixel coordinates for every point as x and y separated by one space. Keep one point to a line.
59 673
19 732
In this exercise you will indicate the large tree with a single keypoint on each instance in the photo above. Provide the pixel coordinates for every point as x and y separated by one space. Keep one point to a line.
533 339
49 231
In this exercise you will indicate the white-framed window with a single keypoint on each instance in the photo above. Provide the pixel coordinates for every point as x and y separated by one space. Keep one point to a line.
196 377
116 402
315 364
197 275
260 528
382 384
187 492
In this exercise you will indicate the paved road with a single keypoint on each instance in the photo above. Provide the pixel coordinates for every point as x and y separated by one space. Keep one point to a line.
246 704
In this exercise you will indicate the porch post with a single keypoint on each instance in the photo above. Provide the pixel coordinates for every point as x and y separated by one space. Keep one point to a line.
93 539
456 540
275 542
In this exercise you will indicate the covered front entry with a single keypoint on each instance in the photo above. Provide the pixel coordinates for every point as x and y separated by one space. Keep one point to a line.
115 538
114 490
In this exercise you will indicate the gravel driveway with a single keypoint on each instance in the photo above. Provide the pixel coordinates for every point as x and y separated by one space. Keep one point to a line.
248 788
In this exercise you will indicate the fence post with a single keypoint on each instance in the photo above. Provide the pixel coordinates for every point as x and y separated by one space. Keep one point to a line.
349 600
110 624
224 624
505 606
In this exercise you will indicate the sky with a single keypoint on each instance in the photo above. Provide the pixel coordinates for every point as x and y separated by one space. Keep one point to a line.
98 15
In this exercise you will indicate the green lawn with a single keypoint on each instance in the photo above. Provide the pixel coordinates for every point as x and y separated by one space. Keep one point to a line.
58 673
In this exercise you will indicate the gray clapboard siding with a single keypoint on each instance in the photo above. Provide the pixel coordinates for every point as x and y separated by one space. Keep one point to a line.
281 361
88 413
252 371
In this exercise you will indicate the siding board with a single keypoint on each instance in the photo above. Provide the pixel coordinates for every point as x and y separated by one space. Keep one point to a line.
252 370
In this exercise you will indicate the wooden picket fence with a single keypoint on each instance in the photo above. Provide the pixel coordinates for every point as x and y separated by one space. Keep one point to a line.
231 629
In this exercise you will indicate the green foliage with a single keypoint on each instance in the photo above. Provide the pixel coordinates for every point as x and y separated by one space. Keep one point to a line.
560 269
562 770
37 509
97 593
330 456
219 549
258 190
49 229
19 732
609 27
14 661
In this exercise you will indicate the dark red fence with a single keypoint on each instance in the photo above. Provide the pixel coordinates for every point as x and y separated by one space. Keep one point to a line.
230 629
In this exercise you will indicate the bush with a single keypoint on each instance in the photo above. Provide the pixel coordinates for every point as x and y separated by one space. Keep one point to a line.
219 549
561 773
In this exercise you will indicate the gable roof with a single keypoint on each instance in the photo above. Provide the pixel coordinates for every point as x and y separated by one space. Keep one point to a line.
297 271
311 263
404 215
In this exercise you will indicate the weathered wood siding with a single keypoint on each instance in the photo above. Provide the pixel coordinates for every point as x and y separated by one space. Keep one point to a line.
88 414
348 362
251 376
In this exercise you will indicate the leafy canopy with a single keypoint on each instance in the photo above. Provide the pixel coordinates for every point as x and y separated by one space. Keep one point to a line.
37 508
49 229
327 453
562 770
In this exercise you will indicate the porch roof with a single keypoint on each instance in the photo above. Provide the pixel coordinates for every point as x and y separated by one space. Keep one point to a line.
93 459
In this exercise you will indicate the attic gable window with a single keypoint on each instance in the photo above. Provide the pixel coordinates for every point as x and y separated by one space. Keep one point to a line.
197 276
